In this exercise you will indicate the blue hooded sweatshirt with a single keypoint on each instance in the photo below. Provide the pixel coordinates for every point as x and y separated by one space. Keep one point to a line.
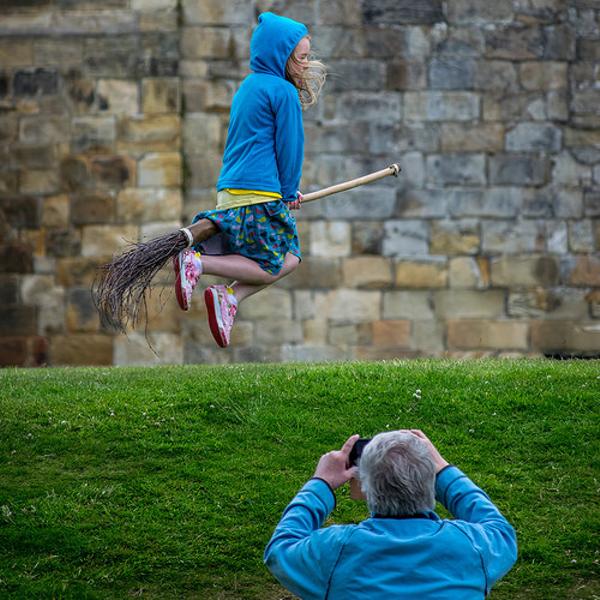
265 140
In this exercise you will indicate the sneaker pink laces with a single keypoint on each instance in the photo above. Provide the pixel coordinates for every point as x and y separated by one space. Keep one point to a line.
221 307
188 268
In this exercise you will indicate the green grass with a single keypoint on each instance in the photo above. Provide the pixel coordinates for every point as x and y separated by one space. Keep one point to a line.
167 482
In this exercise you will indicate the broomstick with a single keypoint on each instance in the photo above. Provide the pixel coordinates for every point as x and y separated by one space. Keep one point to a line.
119 289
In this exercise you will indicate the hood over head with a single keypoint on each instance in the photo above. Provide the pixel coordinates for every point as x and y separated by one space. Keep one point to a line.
272 42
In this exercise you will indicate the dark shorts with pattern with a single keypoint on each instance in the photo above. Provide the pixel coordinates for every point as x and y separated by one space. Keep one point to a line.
263 232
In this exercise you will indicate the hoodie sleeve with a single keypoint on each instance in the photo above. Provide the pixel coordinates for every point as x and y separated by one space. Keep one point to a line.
289 140
489 532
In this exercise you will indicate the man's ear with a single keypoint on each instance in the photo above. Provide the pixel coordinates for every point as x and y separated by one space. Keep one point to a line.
356 492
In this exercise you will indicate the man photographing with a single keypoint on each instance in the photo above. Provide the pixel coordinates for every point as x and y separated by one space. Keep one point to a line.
403 550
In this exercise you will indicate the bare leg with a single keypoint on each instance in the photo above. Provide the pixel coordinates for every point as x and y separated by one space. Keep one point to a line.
244 290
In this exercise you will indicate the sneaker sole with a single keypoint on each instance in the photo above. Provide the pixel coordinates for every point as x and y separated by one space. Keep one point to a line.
211 299
177 267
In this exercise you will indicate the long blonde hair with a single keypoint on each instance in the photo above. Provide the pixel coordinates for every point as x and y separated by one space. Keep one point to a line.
309 85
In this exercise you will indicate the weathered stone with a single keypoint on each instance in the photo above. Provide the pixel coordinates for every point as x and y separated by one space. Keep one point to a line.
487 334
545 75
581 236
270 303
161 95
569 172
425 204
200 131
352 306
136 205
556 303
592 203
469 272
374 202
16 55
534 137
405 238
494 202
9 290
528 270
42 130
89 208
456 169
367 272
216 12
428 337
153 5
100 240
149 231
449 72
513 237
455 237
478 137
31 82
407 305
206 42
118 97
63 242
367 237
275 332
556 237
97 134
405 74
559 42
472 11
581 270
14 351
395 138
330 239
392 334
557 105
81 313
211 96
450 304
34 181
18 320
160 170
20 212
134 349
350 334
567 203
363 74
400 12
159 53
315 331
564 336
202 170
154 133
421 274
514 42
441 106
81 349
314 273
78 271
110 172
497 76
525 106
518 169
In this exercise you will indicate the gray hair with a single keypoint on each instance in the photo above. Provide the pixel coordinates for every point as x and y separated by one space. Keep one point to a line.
397 475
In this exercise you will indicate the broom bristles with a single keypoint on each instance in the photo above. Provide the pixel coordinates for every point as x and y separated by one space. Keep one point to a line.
119 289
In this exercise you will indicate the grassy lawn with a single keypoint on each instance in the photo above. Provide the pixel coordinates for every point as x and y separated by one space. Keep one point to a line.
167 482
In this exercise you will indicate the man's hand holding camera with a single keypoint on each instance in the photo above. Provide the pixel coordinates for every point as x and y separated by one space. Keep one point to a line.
334 466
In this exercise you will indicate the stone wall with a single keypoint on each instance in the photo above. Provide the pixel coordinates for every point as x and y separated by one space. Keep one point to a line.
112 126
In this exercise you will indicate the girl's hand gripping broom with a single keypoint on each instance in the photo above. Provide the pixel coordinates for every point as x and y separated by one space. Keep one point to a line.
119 289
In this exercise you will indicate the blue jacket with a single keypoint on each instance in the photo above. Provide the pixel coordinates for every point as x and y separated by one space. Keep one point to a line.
265 140
384 558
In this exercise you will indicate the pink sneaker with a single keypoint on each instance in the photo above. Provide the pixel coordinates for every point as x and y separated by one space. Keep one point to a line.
221 307
188 268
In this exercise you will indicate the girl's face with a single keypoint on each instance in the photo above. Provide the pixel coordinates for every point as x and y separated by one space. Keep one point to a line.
298 62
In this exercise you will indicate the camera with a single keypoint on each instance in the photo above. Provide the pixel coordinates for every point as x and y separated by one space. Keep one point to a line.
357 450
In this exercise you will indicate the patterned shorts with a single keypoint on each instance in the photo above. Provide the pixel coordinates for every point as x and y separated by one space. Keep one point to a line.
263 232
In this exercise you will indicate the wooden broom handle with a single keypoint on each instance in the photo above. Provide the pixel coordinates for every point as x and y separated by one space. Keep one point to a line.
348 185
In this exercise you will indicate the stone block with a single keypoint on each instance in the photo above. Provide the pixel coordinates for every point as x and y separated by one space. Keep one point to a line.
17 55
35 289
567 203
514 42
344 42
469 272
160 170
441 106
110 172
534 137
350 334
35 81
142 205
159 51
395 138
101 240
568 172
367 272
14 351
367 237
531 270
556 237
9 290
366 106
524 106
502 202
309 353
206 42
455 237
565 336
348 306
478 137
469 304
271 332
304 307
210 96
581 270
451 72
9 128
20 212
411 305
90 208
430 273
405 238
591 201
473 11
485 334
331 138
556 303
559 42
428 337
543 75
357 74
118 97
314 273
271 303
371 203
134 349
392 334
513 237
34 181
201 131
330 239
65 52
81 315
35 129
340 12
78 271
16 257
581 236
315 331
202 170
404 74
61 243
402 12
518 169
149 231
557 105
149 133
425 204
18 321
93 134
216 12
161 95
456 169
496 76
153 5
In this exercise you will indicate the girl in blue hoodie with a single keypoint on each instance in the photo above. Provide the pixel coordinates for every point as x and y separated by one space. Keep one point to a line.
256 241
